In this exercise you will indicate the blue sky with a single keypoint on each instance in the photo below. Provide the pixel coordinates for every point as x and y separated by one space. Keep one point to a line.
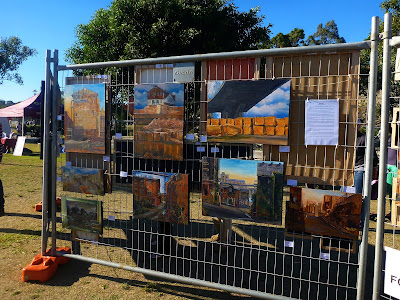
141 90
50 25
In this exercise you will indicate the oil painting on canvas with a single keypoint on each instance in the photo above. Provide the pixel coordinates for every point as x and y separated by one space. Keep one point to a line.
82 214
85 117
242 189
253 112
322 212
158 114
83 180
161 196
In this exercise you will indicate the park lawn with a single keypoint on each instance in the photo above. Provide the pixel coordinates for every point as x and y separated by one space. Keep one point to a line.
20 241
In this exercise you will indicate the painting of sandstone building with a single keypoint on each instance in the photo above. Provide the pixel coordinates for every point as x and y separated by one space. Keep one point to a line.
158 114
322 212
84 115
161 196
254 112
83 180
242 189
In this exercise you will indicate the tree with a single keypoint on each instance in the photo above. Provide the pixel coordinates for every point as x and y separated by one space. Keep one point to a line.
130 29
12 55
294 38
328 34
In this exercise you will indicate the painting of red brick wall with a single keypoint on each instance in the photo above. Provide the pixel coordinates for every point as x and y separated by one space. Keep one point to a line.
254 112
158 114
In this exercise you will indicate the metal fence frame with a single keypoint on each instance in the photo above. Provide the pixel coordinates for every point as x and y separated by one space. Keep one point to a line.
50 149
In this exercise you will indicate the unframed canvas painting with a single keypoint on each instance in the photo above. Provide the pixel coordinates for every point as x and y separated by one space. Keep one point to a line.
84 115
253 112
242 189
82 214
158 114
83 180
322 212
161 196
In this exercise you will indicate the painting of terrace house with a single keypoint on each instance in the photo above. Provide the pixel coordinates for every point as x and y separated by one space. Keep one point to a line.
322 212
82 180
158 114
161 196
240 189
85 117
254 112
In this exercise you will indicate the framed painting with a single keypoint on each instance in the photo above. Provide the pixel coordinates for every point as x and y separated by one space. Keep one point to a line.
82 214
158 114
83 180
253 112
85 118
161 196
323 212
242 189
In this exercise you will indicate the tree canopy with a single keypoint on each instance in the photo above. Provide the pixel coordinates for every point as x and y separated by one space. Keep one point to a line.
130 29
12 55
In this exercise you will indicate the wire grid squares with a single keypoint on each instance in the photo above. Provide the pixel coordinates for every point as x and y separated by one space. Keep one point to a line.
259 256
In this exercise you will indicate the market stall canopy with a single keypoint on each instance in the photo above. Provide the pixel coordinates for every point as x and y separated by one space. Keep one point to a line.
30 108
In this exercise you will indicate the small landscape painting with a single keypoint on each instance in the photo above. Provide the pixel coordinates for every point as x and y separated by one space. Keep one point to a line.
242 189
323 212
83 180
161 196
253 112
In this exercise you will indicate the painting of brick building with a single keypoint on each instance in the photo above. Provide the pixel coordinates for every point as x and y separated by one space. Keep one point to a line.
253 112
158 114
83 180
322 212
85 117
161 196
242 189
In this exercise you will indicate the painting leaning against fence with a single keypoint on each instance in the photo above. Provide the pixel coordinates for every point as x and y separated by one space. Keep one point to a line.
322 212
161 196
84 116
82 214
242 189
158 114
253 112
83 180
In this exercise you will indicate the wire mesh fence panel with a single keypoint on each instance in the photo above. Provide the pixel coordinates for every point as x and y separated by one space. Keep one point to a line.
137 201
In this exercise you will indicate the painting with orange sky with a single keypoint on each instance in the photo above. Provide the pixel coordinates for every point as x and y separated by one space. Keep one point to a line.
242 189
323 212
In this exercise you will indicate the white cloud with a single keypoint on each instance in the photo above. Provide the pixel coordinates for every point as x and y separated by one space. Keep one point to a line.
213 88
279 109
179 97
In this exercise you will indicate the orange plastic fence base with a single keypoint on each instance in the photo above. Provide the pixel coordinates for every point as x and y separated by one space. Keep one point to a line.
42 268
39 207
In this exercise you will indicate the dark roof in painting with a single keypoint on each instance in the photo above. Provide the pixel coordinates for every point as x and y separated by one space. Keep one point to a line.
235 97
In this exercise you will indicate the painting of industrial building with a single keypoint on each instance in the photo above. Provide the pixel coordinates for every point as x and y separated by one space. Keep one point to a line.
82 214
325 213
242 189
85 117
158 114
253 112
161 196
82 180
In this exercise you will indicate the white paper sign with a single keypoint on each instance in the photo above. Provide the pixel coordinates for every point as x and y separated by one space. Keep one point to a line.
190 137
19 146
68 164
324 255
106 158
123 174
392 273
292 182
321 122
289 244
203 138
284 149
111 218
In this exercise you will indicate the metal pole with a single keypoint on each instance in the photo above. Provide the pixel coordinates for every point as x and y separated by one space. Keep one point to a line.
54 110
46 154
380 226
369 155
222 55
177 278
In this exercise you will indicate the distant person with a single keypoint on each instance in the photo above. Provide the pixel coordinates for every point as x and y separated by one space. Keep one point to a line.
19 128
2 213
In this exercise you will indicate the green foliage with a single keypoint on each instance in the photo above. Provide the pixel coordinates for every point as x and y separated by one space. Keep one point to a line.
294 38
328 34
12 55
130 29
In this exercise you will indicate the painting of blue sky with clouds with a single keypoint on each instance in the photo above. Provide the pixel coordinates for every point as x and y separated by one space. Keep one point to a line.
172 94
248 111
